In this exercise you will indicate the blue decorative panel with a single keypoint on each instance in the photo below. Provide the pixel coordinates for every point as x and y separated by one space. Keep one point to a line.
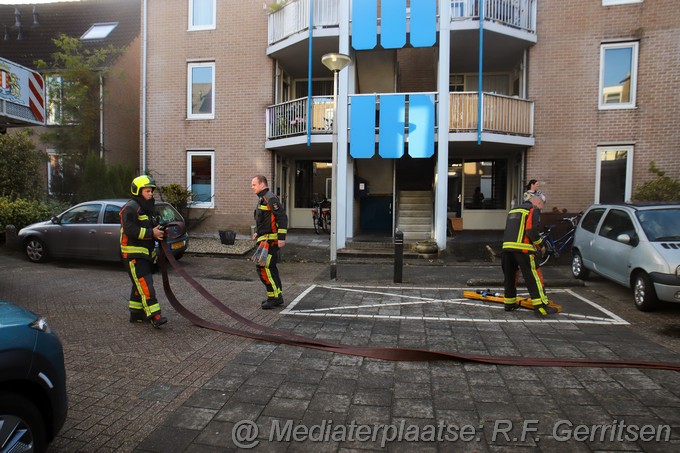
421 125
392 118
423 23
364 24
393 24
362 127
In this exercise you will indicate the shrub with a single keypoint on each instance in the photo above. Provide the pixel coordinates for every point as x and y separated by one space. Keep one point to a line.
22 212
20 175
661 188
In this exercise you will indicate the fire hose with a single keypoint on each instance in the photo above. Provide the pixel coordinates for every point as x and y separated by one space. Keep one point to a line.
270 334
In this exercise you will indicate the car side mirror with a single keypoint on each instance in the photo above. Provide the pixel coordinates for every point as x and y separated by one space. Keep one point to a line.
56 220
626 238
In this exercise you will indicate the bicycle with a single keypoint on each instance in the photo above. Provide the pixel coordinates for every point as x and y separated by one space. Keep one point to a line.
321 216
555 247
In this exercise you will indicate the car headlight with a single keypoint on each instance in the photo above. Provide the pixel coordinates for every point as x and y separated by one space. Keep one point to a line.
40 324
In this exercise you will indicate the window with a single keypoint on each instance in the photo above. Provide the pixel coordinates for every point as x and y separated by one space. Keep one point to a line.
201 178
615 223
618 75
54 95
614 174
111 214
99 31
619 2
200 95
87 214
202 14
484 184
312 182
590 221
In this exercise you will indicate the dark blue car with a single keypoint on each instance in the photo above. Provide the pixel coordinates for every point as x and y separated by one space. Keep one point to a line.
33 402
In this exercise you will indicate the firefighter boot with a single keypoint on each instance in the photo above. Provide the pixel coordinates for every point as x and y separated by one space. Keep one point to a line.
157 320
542 310
271 303
138 316
511 307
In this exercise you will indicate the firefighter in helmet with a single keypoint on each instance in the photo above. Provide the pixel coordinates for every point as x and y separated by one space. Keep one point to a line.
138 235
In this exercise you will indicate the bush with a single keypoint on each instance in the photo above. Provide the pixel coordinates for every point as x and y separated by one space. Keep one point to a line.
661 188
20 175
105 181
22 212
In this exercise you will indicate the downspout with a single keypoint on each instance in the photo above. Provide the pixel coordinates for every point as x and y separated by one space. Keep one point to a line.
101 115
480 97
144 45
309 75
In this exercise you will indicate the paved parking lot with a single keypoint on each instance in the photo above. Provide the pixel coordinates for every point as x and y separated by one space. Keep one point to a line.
184 388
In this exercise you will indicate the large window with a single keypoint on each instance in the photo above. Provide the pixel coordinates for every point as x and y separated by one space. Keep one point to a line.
202 14
201 178
312 182
618 75
200 91
614 174
485 184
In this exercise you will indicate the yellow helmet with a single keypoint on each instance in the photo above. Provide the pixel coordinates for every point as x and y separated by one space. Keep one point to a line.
141 181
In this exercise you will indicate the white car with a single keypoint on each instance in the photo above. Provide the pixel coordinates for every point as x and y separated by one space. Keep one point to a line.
635 245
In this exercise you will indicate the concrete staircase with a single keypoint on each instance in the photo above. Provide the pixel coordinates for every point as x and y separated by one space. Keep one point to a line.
415 215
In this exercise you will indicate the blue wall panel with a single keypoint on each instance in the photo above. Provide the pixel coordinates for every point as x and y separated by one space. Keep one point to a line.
421 125
393 24
423 23
362 127
392 119
364 24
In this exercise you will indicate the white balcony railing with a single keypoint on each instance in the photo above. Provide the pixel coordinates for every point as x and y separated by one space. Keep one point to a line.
501 115
514 13
294 18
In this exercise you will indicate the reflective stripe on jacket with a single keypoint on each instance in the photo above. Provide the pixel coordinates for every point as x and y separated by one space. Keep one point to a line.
522 229
136 233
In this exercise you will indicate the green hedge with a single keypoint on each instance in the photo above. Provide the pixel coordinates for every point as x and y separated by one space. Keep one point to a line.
22 212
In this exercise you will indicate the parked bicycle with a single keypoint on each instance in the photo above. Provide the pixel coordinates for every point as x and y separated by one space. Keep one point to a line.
555 247
321 216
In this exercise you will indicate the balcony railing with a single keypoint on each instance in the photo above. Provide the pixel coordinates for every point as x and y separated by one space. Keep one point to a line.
290 118
501 114
514 13
294 17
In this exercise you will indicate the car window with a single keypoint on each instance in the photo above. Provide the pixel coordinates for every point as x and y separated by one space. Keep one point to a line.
88 213
616 222
167 213
112 214
591 219
660 224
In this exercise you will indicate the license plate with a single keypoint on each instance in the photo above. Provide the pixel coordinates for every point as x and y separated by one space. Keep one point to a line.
177 245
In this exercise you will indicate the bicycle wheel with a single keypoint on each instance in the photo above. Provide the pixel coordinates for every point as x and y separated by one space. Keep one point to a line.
326 222
315 221
549 252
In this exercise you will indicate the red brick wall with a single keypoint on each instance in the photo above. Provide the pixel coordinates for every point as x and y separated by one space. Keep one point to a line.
243 79
563 82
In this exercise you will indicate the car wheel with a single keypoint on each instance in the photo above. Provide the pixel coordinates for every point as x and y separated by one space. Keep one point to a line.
21 425
643 292
178 256
36 250
578 270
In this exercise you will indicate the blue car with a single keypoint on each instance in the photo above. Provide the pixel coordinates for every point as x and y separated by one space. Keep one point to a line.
33 403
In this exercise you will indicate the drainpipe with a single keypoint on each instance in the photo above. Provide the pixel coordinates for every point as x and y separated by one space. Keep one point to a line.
101 115
480 95
144 45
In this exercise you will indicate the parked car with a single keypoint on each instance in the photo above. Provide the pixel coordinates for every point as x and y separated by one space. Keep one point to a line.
635 245
33 403
89 230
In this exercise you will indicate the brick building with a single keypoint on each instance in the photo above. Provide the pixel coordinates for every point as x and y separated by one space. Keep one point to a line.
580 95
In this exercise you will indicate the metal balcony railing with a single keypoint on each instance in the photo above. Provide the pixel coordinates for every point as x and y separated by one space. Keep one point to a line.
294 17
501 115
513 13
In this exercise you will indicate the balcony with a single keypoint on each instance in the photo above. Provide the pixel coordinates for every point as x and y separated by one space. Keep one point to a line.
520 14
294 18
503 115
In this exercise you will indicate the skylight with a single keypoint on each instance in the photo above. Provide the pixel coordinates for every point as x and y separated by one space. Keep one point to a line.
99 31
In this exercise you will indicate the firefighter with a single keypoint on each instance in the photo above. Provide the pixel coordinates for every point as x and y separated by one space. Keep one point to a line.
138 235
521 243
271 225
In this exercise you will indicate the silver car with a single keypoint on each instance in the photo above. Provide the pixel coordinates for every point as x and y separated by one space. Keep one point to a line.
635 245
89 230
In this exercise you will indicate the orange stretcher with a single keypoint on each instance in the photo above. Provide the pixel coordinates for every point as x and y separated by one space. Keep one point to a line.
490 296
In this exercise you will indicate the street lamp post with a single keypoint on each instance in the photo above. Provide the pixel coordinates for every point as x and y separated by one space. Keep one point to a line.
335 62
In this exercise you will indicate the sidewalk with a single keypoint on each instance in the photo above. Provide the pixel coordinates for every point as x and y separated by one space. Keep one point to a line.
269 392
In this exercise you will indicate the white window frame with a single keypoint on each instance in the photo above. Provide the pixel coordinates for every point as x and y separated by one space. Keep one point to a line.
629 169
211 154
200 116
212 26
100 30
50 152
635 46
619 2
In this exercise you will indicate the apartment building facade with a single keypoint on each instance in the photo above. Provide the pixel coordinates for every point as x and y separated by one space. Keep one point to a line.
444 112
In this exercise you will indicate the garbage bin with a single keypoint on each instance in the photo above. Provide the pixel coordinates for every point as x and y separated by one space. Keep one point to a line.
227 237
